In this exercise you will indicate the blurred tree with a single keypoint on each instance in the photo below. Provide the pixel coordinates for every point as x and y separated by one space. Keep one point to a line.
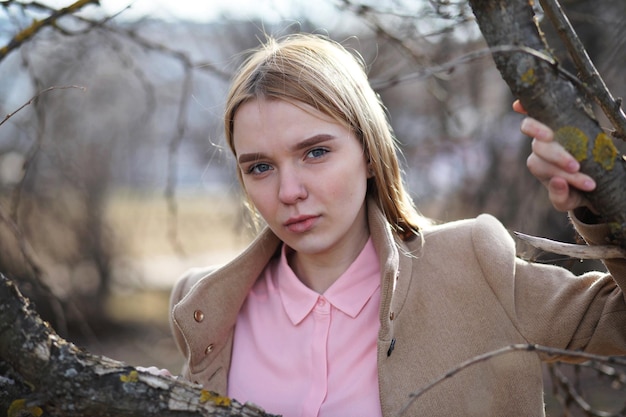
154 89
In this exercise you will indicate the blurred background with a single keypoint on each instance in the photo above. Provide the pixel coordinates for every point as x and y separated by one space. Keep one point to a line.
114 177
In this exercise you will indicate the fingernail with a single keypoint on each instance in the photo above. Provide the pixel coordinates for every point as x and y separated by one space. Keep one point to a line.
573 166
589 185
526 124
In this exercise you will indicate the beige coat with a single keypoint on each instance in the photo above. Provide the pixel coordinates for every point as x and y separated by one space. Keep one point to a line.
457 293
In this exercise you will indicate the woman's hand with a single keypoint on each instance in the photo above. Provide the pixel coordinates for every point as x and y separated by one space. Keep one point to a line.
555 167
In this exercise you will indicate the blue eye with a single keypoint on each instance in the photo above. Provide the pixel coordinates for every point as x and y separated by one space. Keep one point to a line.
259 168
317 152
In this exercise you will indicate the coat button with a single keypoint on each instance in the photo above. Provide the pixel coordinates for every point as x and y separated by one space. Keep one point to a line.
392 315
198 316
208 349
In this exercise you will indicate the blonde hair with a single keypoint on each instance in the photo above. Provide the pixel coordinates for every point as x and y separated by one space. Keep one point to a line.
317 71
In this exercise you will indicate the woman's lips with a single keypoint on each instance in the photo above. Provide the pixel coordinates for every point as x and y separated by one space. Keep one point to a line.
301 224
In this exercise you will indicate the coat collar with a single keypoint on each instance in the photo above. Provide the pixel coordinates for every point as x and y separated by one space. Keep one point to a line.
224 291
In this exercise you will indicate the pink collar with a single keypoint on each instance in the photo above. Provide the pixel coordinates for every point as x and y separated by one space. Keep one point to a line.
349 293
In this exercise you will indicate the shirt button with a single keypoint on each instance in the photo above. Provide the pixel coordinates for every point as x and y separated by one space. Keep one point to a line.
321 302
208 349
198 315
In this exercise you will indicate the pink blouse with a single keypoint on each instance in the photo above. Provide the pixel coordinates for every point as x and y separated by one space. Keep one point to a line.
301 354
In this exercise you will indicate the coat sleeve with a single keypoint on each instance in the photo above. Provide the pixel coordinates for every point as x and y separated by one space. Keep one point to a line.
549 305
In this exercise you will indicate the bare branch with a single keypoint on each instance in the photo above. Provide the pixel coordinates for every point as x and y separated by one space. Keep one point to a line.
172 165
37 25
69 382
521 347
572 394
36 96
472 56
588 72
572 250
131 35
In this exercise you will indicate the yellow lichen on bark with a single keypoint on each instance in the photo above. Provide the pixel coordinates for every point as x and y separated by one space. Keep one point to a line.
529 77
18 408
604 151
214 398
133 376
574 141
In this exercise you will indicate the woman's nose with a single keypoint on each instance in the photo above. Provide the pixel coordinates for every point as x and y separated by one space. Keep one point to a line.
292 188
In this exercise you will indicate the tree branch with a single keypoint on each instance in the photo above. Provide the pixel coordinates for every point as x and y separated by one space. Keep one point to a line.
69 382
29 32
572 250
557 102
588 72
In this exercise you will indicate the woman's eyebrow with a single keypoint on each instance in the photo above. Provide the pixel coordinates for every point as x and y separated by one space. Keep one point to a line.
307 143
250 157
312 141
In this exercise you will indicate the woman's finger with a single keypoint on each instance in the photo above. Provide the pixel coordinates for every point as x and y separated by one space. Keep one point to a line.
546 169
562 196
556 168
537 130
554 154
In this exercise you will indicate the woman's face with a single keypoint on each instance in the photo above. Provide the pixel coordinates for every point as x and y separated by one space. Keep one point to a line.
306 175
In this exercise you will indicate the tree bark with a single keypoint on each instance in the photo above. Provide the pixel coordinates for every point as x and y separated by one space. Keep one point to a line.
557 99
44 375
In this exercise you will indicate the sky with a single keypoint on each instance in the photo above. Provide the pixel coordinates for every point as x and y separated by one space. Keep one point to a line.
208 10
324 12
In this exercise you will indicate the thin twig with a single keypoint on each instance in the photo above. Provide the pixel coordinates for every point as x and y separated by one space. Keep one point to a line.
172 165
465 58
574 395
523 347
36 96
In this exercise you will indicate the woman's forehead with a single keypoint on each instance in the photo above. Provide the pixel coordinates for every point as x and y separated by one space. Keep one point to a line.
285 103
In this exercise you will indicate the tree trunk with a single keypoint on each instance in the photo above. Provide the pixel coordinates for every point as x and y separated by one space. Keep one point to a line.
44 375
557 99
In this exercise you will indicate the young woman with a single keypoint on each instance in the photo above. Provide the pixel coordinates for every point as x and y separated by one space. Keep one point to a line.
349 299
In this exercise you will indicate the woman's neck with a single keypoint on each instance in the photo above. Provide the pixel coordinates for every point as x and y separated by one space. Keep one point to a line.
320 271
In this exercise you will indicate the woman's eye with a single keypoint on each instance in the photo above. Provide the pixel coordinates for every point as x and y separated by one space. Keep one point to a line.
317 152
258 168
